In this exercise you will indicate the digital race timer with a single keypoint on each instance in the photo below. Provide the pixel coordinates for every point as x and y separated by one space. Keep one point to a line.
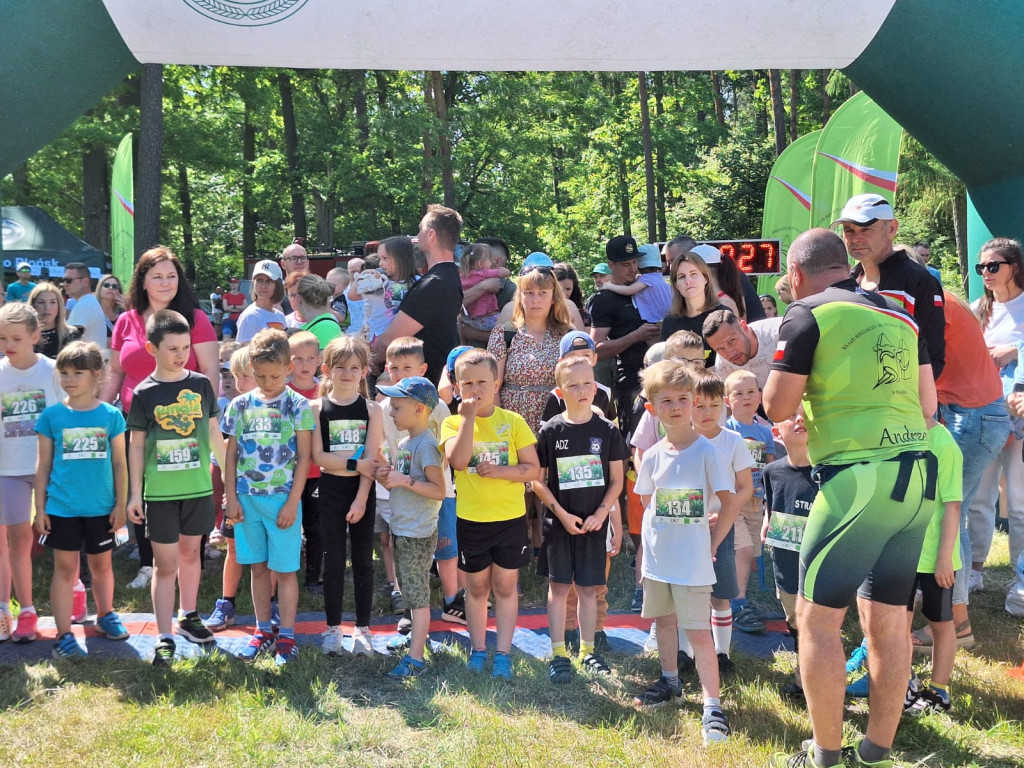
754 257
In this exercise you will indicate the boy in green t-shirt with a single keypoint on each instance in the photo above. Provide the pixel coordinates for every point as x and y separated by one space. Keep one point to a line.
939 561
493 453
175 411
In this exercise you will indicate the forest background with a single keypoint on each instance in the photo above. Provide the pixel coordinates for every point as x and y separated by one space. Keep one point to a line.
234 162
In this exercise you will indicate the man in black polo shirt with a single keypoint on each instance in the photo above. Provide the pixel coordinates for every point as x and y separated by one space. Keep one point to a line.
430 309
617 328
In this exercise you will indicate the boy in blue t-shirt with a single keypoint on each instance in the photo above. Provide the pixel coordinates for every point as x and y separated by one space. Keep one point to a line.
270 433
743 396
81 457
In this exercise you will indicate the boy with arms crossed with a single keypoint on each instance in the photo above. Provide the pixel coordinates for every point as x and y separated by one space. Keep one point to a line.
582 455
493 453
169 473
678 476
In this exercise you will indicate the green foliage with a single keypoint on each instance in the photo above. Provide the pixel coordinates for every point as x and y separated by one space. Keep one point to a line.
549 161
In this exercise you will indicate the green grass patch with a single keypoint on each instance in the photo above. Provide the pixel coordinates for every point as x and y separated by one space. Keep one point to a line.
332 712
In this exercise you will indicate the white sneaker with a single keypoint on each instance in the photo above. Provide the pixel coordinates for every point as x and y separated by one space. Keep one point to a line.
976 581
362 642
651 643
331 645
142 579
6 624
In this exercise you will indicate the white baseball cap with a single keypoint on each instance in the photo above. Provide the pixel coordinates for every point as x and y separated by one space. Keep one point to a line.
865 209
269 268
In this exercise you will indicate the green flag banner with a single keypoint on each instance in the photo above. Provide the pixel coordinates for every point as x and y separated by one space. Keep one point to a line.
858 152
122 213
787 198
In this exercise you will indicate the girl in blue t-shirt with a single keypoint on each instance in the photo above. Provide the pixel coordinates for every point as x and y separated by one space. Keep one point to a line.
81 456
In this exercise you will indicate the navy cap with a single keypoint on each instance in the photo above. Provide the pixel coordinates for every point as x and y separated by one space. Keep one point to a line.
416 387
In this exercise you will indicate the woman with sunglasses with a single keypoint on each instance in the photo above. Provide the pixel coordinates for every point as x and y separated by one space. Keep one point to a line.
48 302
1001 311
110 295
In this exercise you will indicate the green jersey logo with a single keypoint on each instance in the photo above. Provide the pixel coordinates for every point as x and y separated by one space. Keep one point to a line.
181 415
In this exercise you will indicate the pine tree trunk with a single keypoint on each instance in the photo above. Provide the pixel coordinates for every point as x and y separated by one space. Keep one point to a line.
659 158
151 138
716 93
645 130
248 169
291 154
96 197
444 140
778 110
960 234
794 104
826 102
427 182
22 186
188 239
759 109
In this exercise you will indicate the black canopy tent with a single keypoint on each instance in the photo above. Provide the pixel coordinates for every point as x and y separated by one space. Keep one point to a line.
30 235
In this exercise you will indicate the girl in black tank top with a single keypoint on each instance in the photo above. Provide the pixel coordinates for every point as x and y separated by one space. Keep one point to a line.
348 426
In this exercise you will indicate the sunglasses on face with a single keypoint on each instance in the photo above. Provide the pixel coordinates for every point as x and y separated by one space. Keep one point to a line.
115 286
992 267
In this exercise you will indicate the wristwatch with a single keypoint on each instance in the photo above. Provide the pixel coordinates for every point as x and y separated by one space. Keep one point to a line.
352 465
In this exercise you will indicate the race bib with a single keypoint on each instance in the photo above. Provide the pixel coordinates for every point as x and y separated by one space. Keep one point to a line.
786 531
492 453
84 443
347 434
176 455
579 472
20 411
262 423
403 462
758 451
679 506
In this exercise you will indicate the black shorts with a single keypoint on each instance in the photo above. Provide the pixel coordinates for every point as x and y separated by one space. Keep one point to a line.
936 601
70 534
505 543
167 520
565 558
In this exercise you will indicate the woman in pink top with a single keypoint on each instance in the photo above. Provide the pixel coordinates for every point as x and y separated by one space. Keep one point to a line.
157 283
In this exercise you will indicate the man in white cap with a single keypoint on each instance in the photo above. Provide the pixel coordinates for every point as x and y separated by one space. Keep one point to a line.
869 230
19 291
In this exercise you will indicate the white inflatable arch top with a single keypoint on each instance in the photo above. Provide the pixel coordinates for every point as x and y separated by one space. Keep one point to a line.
501 35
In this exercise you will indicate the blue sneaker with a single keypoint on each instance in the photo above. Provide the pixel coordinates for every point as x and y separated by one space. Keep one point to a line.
407 667
275 615
258 643
67 647
858 659
502 666
287 651
111 626
223 616
858 689
476 662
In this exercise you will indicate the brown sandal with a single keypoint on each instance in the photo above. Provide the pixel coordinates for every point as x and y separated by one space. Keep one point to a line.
922 640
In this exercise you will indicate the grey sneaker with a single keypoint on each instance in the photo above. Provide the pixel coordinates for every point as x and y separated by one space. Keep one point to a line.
746 619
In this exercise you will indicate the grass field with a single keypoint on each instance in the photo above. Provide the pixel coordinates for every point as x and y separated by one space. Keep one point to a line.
320 711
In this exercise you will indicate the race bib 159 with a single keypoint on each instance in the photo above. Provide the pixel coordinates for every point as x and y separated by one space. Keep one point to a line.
176 455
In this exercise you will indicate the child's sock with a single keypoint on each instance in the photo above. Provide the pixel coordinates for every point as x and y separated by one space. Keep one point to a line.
230 600
721 630
28 609
264 627
287 632
671 677
738 604
712 703
167 637
448 599
558 649
586 648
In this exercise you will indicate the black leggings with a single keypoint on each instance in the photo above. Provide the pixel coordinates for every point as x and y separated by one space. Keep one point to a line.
311 527
336 497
